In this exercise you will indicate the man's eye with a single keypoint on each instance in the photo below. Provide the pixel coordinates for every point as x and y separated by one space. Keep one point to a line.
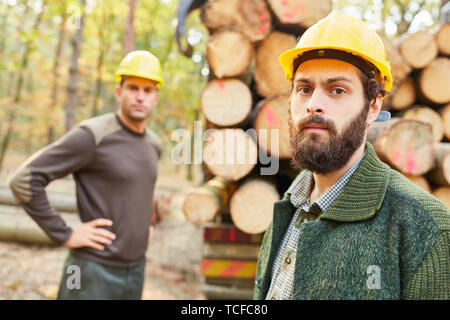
338 91
304 90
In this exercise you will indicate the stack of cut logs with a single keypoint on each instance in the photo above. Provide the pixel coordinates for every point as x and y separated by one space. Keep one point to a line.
247 96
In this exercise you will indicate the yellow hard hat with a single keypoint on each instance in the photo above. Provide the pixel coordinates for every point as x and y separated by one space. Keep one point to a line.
141 64
340 34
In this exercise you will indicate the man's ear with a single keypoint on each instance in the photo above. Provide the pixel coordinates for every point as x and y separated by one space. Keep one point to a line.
374 110
118 93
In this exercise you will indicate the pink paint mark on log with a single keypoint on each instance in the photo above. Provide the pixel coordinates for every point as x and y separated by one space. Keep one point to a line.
262 17
271 117
300 7
396 156
288 15
221 85
411 164
284 3
263 28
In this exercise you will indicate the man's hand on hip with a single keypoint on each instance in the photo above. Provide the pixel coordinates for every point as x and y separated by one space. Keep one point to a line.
89 234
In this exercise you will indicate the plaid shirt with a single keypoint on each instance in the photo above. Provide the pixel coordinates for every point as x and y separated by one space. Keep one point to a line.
283 271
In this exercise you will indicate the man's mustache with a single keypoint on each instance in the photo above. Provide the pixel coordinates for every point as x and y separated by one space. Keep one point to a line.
316 119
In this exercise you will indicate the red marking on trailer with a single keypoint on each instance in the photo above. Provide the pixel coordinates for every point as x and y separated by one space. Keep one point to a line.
232 235
206 263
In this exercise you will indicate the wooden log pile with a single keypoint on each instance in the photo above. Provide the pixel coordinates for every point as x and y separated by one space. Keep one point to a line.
416 141
248 95
245 100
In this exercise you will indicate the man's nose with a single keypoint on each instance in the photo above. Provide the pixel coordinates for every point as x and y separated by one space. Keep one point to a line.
316 103
140 95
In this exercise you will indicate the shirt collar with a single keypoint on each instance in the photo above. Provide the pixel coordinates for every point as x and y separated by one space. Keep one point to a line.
301 188
364 192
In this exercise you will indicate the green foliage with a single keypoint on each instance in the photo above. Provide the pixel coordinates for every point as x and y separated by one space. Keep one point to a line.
393 17
103 34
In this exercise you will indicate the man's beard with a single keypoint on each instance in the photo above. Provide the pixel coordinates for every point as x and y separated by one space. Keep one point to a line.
322 157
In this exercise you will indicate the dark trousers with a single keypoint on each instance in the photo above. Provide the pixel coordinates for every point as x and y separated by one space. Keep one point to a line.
86 280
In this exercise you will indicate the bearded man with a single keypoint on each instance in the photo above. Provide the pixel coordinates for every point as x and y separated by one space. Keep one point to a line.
349 226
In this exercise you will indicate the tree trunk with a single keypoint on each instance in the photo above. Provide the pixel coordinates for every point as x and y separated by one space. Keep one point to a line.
230 153
440 174
18 90
4 27
52 107
434 81
129 38
404 96
271 125
427 115
98 82
399 67
419 49
251 17
443 194
269 75
420 181
72 96
404 144
226 102
302 13
202 204
229 53
443 39
251 206
59 201
445 114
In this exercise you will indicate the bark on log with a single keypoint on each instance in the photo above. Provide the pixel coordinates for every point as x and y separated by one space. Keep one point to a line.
303 13
404 96
440 174
427 115
251 206
60 202
226 102
404 144
420 181
443 39
229 53
419 49
400 69
269 75
273 113
202 204
445 114
443 194
251 17
434 81
230 153
17 226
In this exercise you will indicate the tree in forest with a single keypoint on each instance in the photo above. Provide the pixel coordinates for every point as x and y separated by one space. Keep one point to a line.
72 94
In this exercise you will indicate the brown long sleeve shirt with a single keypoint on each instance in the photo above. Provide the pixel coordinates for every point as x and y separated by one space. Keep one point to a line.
114 169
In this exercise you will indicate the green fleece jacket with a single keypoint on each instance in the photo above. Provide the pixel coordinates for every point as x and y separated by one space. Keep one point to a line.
382 238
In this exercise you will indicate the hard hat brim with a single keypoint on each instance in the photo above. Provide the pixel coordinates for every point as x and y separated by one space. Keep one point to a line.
287 58
159 82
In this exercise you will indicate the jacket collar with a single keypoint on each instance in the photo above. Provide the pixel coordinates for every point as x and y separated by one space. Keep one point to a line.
364 192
